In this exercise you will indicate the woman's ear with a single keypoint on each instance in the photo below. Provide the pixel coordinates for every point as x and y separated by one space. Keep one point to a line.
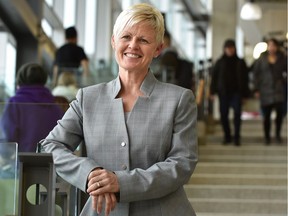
113 42
158 50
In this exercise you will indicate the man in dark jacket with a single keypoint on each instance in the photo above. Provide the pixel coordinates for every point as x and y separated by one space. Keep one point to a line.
230 82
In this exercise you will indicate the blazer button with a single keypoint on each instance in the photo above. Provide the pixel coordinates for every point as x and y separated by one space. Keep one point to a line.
123 144
124 167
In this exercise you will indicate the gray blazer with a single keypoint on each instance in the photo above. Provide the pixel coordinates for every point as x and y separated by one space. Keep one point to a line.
153 152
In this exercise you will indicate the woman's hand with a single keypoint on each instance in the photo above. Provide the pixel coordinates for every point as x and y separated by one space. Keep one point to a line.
101 181
102 186
110 203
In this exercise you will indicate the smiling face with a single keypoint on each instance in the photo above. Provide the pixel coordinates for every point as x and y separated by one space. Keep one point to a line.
135 47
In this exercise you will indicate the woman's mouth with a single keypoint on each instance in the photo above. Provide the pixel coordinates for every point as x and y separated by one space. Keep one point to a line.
132 55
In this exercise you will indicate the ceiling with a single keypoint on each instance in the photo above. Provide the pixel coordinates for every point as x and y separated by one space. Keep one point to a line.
274 19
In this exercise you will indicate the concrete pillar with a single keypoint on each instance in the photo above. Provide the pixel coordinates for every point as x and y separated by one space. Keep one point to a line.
58 34
104 31
28 43
80 21
224 22
27 49
223 25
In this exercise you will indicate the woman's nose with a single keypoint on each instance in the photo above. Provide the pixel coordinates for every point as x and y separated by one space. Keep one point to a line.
133 44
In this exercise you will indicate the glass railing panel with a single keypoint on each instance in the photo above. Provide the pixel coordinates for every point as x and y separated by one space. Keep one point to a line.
28 123
8 178
22 125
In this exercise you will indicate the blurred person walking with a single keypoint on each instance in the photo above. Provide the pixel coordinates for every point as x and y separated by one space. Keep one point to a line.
270 72
70 57
171 68
230 81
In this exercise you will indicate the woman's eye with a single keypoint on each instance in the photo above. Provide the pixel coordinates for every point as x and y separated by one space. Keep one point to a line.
126 37
143 40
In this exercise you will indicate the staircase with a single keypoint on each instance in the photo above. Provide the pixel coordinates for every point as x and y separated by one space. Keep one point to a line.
249 180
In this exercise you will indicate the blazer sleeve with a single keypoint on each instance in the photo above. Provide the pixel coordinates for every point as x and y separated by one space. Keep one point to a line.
167 176
63 140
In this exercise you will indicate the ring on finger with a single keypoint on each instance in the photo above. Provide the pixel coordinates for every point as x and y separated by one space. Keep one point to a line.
98 184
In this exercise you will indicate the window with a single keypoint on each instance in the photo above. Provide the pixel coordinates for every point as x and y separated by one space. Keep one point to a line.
90 26
47 27
7 65
69 13
49 2
10 69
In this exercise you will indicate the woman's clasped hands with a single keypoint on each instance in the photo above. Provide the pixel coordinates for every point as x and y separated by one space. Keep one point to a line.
102 186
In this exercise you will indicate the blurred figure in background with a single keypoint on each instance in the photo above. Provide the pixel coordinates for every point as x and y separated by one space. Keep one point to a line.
230 81
270 74
171 68
70 57
66 86
31 114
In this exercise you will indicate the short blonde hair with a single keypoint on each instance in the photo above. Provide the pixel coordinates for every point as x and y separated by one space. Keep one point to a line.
66 78
138 13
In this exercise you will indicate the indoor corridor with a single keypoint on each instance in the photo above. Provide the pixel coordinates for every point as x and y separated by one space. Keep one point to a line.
229 180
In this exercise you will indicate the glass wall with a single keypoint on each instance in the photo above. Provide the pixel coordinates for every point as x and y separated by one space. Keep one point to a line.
8 178
90 26
7 65
22 126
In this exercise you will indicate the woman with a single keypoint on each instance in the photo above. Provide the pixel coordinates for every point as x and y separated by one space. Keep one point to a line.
230 82
31 113
270 85
140 134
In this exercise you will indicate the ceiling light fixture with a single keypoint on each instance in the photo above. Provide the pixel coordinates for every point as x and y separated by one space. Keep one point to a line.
251 11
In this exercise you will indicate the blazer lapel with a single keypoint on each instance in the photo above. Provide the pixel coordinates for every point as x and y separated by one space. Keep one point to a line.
117 111
140 108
